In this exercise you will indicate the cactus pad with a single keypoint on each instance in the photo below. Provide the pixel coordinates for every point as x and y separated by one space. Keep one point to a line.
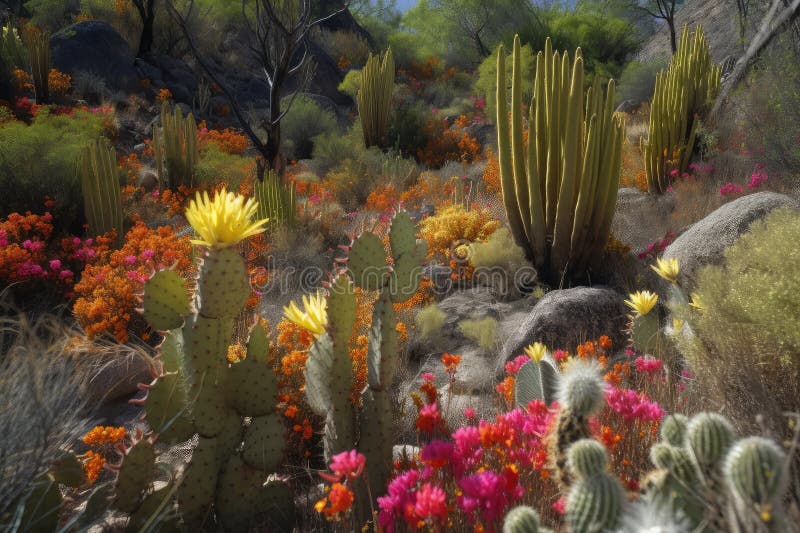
277 502
135 476
402 235
367 262
171 350
197 488
223 284
317 375
252 387
68 470
166 411
206 343
535 381
237 498
265 443
165 300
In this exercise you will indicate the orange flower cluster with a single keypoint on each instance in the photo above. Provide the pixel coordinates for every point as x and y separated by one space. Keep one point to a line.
164 95
491 174
447 145
102 439
228 140
338 502
23 82
383 198
58 83
107 292
423 296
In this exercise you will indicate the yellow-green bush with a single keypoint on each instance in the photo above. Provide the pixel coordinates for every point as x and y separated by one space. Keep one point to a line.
305 120
216 166
482 331
499 250
746 352
429 320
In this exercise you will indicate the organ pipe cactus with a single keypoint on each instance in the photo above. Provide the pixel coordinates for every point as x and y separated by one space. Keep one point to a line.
230 409
175 147
276 200
101 190
682 93
374 97
560 185
38 45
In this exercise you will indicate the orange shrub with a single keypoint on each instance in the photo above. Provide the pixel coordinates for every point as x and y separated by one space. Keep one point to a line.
383 198
22 81
164 95
491 174
58 83
447 145
228 140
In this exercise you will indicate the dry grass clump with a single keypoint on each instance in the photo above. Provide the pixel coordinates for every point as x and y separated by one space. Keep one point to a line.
746 353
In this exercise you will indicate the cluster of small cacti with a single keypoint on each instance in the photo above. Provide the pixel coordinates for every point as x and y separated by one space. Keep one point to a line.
375 97
683 91
596 498
100 186
329 368
559 187
175 147
276 200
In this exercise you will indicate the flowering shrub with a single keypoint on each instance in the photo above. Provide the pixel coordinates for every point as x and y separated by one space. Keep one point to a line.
228 140
107 291
453 224
164 95
59 83
447 144
655 249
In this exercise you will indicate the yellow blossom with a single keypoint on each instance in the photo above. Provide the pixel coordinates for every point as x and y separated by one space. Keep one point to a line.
642 301
313 317
536 351
696 302
677 324
667 269
223 221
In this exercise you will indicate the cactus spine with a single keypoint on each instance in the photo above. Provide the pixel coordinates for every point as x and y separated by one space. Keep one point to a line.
595 499
276 201
175 147
559 187
374 97
100 186
682 92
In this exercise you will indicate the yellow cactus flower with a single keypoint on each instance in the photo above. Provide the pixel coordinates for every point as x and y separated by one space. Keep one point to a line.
224 221
677 324
313 317
642 301
696 302
667 269
536 351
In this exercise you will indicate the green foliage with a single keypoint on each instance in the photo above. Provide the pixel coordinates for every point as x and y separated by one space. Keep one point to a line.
51 14
40 160
638 80
175 147
747 350
276 200
351 83
560 186
486 81
406 130
374 98
12 54
499 250
482 331
305 120
344 45
406 48
38 46
216 166
429 320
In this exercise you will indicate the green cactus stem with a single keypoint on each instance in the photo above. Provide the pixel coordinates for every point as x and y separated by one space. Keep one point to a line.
374 98
101 190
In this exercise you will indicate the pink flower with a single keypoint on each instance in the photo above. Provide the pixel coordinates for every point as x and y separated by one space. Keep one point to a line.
398 500
155 193
130 259
674 173
729 188
135 276
33 246
427 376
64 274
349 464
437 453
560 355
513 366
148 254
55 264
431 503
648 365
429 418
560 505
488 493
469 412
632 405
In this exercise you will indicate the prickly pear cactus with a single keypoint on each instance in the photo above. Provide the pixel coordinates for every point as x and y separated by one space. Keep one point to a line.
535 381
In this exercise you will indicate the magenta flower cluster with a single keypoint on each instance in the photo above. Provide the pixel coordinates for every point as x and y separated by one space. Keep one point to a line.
632 405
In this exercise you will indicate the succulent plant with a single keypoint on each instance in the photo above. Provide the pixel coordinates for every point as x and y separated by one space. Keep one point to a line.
673 429
175 147
521 519
559 187
595 499
276 200
374 97
586 458
101 192
708 437
536 380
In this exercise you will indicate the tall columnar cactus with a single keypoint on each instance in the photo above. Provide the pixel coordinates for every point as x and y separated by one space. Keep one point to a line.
375 97
595 499
276 200
329 370
683 92
560 186
38 45
229 408
101 189
175 147
580 392
756 474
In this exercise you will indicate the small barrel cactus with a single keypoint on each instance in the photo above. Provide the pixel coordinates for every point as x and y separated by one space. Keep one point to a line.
587 457
662 455
521 519
673 429
594 504
708 436
755 474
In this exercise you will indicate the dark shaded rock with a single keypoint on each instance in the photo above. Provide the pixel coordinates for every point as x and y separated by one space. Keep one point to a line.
562 319
95 47
705 242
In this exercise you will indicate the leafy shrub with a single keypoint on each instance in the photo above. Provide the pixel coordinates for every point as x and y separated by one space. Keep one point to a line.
406 129
482 331
499 250
748 344
216 166
40 160
351 83
51 14
447 144
330 147
486 81
429 320
405 48
305 120
346 47
638 80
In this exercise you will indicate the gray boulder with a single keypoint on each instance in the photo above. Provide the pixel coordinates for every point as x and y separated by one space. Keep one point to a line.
95 47
562 319
705 241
